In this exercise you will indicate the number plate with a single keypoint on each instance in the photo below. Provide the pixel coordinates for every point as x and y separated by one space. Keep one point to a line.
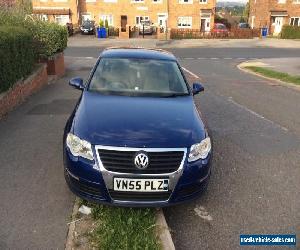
141 185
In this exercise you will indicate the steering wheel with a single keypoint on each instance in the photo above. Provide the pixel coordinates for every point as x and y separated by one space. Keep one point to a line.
117 85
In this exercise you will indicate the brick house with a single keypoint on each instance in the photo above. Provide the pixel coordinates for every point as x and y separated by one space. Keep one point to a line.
195 14
59 11
273 14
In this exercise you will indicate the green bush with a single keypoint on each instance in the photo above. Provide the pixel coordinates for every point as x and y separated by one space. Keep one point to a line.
17 55
49 38
290 32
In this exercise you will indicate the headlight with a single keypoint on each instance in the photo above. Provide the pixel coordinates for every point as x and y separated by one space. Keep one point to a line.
200 150
79 147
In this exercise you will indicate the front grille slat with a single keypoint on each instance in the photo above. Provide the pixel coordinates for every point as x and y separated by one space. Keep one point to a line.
139 196
123 161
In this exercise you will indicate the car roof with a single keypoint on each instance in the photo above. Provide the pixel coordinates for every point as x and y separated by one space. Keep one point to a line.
141 53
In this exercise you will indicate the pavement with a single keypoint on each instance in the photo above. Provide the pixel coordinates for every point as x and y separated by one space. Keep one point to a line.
285 65
255 128
91 41
36 204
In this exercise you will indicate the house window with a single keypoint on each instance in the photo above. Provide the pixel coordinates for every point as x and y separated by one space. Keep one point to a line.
188 1
295 21
157 1
109 19
202 1
184 22
86 17
62 19
138 19
42 17
252 22
273 20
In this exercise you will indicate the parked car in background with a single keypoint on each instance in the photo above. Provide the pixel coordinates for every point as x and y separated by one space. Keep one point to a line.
146 27
135 137
70 28
243 26
220 28
88 27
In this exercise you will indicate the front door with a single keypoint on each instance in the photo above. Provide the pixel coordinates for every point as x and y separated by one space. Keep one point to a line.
123 23
278 25
205 24
162 20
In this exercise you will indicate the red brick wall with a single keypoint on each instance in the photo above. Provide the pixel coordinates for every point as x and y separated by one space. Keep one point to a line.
56 65
261 9
22 89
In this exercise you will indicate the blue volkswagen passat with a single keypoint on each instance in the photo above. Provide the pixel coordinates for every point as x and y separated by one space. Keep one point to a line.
135 137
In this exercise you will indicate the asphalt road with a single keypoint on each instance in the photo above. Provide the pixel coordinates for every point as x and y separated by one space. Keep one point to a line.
255 182
205 53
254 189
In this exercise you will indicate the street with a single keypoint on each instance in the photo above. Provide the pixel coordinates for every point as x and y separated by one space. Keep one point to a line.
254 187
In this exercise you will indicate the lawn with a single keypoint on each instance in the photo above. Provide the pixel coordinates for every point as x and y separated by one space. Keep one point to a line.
275 74
123 228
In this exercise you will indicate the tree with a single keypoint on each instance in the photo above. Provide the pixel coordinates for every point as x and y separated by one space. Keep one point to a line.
246 10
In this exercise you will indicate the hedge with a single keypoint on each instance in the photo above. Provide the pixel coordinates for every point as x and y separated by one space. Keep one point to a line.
290 32
17 55
50 38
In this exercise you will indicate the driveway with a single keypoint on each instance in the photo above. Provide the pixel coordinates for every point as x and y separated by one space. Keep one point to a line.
35 202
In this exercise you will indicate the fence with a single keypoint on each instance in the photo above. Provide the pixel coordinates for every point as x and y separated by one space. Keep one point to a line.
112 31
234 33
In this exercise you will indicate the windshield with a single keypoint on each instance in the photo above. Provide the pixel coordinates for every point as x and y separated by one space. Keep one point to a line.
138 77
87 24
221 26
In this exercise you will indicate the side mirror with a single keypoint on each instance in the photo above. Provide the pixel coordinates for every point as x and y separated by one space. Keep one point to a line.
197 88
77 83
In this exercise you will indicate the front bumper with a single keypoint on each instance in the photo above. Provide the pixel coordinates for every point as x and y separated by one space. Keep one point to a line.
88 180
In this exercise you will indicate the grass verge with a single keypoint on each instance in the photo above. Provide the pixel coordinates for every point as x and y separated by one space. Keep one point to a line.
123 228
275 74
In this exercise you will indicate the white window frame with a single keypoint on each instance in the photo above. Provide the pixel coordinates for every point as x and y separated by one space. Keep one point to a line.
203 1
186 1
60 17
146 18
42 17
252 22
293 23
189 21
108 17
